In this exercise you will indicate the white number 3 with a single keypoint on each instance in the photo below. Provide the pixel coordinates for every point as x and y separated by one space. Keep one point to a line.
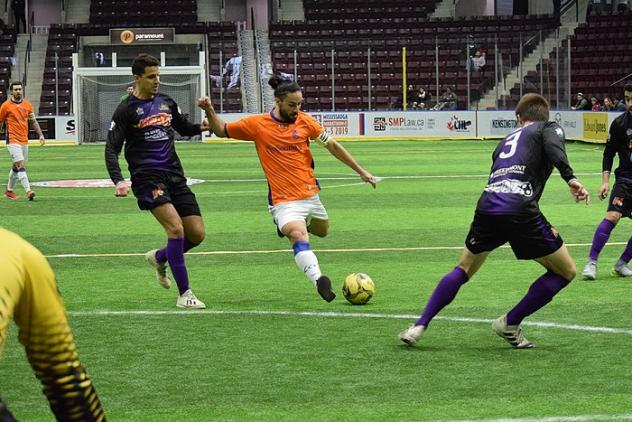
512 143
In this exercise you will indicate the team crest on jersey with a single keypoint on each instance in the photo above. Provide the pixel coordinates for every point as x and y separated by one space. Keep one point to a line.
140 111
160 119
295 134
617 201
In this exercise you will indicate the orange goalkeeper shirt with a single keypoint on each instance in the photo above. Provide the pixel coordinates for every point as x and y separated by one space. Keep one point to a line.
16 117
283 150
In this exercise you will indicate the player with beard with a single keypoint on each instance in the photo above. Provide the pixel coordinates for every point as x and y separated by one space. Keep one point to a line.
282 139
17 115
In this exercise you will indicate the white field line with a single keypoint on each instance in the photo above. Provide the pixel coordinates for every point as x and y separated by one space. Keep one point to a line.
271 251
572 327
579 418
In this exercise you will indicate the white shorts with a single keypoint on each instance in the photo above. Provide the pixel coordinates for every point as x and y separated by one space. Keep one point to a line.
301 210
18 152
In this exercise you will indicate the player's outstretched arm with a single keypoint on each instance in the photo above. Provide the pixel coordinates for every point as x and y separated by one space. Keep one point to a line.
343 155
215 123
578 191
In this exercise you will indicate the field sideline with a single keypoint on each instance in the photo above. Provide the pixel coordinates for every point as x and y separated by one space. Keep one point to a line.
267 348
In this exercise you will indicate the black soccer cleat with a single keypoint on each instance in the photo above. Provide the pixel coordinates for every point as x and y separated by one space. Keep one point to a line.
323 285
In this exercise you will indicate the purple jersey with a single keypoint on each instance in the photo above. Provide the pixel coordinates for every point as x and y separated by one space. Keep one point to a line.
146 127
522 163
619 143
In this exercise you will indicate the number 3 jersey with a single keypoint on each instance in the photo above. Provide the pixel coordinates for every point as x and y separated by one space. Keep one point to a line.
521 165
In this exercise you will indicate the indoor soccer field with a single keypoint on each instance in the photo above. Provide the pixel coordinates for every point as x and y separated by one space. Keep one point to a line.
268 348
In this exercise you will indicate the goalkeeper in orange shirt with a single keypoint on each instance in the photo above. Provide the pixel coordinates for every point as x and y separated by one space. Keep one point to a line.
28 293
282 139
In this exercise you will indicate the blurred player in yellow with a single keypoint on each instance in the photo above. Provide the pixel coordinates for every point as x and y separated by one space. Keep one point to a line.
17 115
28 293
282 139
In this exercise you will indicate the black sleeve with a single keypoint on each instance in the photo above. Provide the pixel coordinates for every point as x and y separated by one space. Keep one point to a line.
553 140
181 124
114 144
611 149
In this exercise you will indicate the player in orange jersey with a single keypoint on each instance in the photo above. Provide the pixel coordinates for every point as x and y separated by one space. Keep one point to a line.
17 115
282 138
29 295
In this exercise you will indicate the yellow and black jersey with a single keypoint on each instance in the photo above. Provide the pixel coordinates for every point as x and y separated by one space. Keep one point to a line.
29 295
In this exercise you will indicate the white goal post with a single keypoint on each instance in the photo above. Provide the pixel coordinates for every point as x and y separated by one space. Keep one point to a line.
97 91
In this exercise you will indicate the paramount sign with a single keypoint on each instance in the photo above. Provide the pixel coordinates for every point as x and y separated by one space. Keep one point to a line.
142 36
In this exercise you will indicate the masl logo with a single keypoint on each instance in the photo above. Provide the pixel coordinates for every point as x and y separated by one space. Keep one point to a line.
455 124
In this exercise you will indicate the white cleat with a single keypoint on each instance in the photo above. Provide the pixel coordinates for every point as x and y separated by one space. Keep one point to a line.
590 271
622 271
412 334
188 300
161 268
511 333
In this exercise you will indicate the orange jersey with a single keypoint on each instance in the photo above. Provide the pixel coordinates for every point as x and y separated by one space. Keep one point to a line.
283 150
15 117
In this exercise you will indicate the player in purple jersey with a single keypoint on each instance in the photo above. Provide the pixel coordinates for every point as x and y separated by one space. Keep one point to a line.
508 211
620 203
145 123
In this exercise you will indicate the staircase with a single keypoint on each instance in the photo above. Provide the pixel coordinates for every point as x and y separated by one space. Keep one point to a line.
250 93
291 10
209 11
77 11
265 63
531 62
35 73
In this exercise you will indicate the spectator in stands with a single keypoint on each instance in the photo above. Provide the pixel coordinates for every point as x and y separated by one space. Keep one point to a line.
447 100
19 12
478 61
594 104
410 95
623 6
620 105
235 64
608 105
582 103
420 99
99 59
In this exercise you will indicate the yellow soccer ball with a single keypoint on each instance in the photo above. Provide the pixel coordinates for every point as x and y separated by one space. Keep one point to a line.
358 288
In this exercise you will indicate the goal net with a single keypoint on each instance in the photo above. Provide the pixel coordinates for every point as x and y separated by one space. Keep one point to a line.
98 91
